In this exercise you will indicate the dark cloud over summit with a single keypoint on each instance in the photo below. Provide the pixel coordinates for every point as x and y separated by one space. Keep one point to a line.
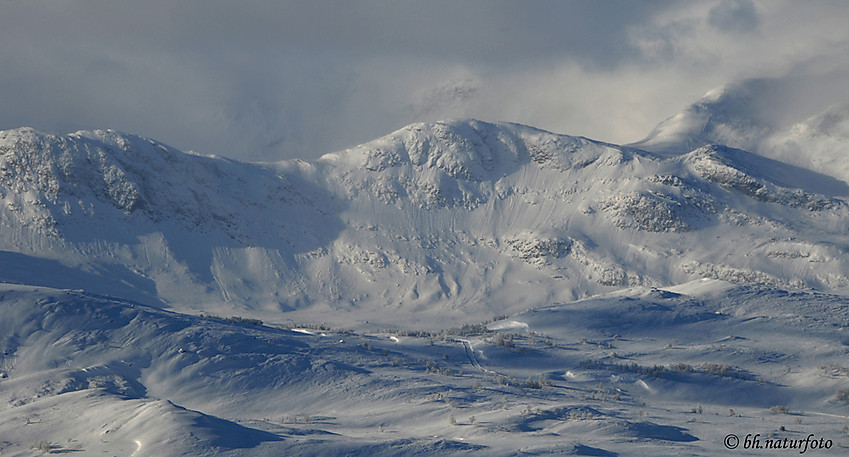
265 80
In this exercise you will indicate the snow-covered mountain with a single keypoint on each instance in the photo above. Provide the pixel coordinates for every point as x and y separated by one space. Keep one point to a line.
753 115
130 217
738 114
466 217
457 287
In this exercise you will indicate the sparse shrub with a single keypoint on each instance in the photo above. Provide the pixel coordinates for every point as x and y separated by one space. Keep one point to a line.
531 384
779 409
685 367
537 383
322 327
299 419
842 395
433 367
655 371
45 447
504 340
499 379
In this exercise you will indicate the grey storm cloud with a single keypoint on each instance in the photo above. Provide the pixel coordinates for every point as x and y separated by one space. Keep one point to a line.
269 80
735 16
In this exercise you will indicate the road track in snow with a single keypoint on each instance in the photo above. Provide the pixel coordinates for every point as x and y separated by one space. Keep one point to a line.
470 354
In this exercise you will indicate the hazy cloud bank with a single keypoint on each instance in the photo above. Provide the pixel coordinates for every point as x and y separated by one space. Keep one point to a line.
263 80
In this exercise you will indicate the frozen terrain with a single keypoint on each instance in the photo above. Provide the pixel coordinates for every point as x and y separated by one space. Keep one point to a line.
459 287
640 372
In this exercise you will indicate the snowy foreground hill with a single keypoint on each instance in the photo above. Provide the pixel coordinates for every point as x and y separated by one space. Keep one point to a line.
452 288
639 372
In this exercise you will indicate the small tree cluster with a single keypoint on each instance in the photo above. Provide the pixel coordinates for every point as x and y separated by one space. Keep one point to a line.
659 371
535 383
233 319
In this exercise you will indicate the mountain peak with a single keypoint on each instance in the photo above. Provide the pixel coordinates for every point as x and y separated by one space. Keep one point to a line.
737 115
456 163
466 149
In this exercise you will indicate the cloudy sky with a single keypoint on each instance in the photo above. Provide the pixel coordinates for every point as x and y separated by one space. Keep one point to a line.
270 80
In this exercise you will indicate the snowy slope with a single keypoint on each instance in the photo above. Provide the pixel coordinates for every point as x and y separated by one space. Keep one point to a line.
127 212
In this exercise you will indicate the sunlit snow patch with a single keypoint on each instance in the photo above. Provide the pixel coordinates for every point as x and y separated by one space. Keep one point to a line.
508 325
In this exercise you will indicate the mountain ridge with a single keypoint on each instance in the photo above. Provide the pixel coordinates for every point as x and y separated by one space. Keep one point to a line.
466 216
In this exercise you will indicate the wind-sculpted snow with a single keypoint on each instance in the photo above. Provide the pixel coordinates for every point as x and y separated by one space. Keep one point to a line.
642 370
467 217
